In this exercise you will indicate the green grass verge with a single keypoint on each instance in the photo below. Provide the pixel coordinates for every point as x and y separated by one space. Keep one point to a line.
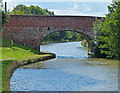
10 55
5 74
0 77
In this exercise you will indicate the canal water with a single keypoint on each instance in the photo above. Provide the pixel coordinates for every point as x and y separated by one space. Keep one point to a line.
71 70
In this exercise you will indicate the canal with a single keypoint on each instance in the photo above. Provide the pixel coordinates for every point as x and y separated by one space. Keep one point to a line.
71 70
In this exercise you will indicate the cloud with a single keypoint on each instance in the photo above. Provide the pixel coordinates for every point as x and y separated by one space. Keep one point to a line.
76 6
76 13
65 12
79 9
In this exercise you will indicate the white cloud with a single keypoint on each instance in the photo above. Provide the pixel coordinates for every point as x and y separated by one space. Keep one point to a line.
75 6
76 13
65 12
71 11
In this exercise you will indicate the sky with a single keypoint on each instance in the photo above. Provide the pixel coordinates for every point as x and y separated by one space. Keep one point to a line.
67 7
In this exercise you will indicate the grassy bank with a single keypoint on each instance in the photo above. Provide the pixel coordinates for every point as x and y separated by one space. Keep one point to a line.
18 53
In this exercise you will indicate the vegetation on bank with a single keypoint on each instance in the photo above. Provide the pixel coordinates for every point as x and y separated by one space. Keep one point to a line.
63 36
17 51
107 33
84 43
6 64
11 55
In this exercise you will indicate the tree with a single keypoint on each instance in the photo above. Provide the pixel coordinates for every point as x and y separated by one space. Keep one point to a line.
108 32
20 9
31 10
3 18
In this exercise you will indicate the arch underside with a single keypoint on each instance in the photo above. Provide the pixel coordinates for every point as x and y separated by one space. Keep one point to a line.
87 37
85 31
32 36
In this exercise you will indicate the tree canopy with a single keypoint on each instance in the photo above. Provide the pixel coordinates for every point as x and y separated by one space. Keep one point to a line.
63 36
30 10
108 32
3 16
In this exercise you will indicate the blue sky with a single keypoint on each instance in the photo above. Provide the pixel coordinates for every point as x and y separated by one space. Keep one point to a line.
68 7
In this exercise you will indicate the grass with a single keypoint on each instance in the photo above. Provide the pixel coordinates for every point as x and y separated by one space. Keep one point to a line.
5 74
0 77
11 55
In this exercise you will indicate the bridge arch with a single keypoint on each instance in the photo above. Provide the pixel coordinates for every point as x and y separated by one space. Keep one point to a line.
29 30
87 37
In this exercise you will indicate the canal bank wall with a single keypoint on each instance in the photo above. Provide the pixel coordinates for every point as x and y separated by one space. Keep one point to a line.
18 64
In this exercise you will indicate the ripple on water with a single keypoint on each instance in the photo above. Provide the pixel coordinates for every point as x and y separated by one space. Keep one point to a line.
49 80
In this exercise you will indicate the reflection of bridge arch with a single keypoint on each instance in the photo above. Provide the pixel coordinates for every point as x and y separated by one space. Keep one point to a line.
29 30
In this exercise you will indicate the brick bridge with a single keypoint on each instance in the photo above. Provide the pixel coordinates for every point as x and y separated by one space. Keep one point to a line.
30 30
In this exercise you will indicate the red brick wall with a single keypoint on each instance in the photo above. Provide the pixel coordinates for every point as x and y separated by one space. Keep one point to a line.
49 21
30 29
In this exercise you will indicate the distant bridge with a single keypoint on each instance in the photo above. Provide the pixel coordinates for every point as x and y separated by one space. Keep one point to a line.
30 30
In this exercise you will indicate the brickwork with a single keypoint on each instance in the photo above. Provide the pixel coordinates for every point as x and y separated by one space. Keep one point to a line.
30 30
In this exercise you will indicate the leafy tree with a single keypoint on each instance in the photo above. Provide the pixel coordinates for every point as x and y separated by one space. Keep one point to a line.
79 37
63 36
3 17
31 10
98 25
20 9
108 32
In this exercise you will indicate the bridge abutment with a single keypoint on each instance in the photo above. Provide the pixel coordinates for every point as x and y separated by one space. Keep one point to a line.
37 48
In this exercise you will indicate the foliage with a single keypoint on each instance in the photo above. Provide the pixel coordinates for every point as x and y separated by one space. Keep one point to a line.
5 74
31 10
17 52
84 43
3 18
108 32
63 36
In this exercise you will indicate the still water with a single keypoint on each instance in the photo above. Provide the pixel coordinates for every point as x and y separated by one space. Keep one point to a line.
71 70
